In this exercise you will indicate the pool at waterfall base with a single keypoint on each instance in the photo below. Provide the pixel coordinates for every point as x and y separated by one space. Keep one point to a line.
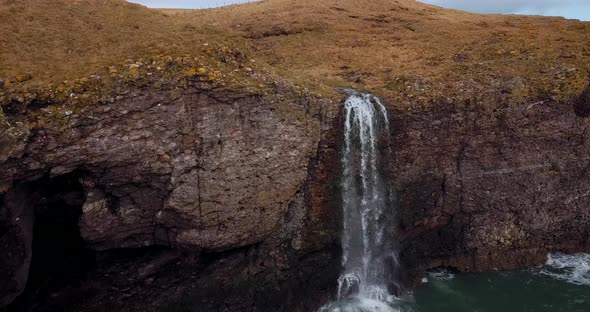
561 285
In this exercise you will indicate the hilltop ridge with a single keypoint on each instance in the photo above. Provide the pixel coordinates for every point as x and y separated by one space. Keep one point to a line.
382 44
378 45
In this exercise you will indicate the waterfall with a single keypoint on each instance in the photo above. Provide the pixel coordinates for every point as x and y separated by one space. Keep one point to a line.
369 260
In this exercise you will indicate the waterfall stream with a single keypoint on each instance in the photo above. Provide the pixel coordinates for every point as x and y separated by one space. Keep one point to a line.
369 282
369 260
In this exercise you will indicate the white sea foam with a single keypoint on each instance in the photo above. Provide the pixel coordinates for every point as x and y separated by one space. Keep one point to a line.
574 269
441 275
359 304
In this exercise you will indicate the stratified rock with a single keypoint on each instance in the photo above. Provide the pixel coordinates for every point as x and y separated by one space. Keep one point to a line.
491 188
202 170
227 171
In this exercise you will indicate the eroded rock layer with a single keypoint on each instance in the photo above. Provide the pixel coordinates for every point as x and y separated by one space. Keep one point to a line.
492 188
182 168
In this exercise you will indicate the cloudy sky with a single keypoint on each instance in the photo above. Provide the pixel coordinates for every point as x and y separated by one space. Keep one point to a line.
579 9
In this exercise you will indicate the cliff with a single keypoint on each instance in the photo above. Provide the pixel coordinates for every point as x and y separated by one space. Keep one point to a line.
208 143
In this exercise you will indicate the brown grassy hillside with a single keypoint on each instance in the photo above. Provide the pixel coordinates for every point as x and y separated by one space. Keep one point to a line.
392 43
397 47
54 40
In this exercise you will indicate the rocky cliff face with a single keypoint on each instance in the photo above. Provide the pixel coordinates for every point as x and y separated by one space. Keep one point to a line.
177 169
188 168
492 188
242 190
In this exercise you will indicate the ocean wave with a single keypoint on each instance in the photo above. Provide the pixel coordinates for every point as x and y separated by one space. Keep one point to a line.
574 269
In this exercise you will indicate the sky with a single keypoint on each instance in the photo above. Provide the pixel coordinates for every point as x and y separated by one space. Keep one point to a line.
188 4
577 9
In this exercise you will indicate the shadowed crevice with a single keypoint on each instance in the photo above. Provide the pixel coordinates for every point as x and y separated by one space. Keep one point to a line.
582 104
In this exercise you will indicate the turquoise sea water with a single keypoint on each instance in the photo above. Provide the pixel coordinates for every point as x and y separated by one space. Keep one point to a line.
562 285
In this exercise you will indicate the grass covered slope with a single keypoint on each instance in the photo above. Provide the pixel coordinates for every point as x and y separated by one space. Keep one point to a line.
393 44
72 52
54 40
399 48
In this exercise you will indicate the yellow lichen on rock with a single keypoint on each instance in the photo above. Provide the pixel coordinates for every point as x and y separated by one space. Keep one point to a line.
133 72
202 73
191 72
22 77
519 94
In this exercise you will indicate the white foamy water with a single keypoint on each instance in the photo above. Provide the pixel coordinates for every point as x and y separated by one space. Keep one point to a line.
358 304
574 269
369 258
441 275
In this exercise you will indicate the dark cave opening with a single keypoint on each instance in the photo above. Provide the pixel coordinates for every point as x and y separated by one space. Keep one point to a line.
66 274
60 257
